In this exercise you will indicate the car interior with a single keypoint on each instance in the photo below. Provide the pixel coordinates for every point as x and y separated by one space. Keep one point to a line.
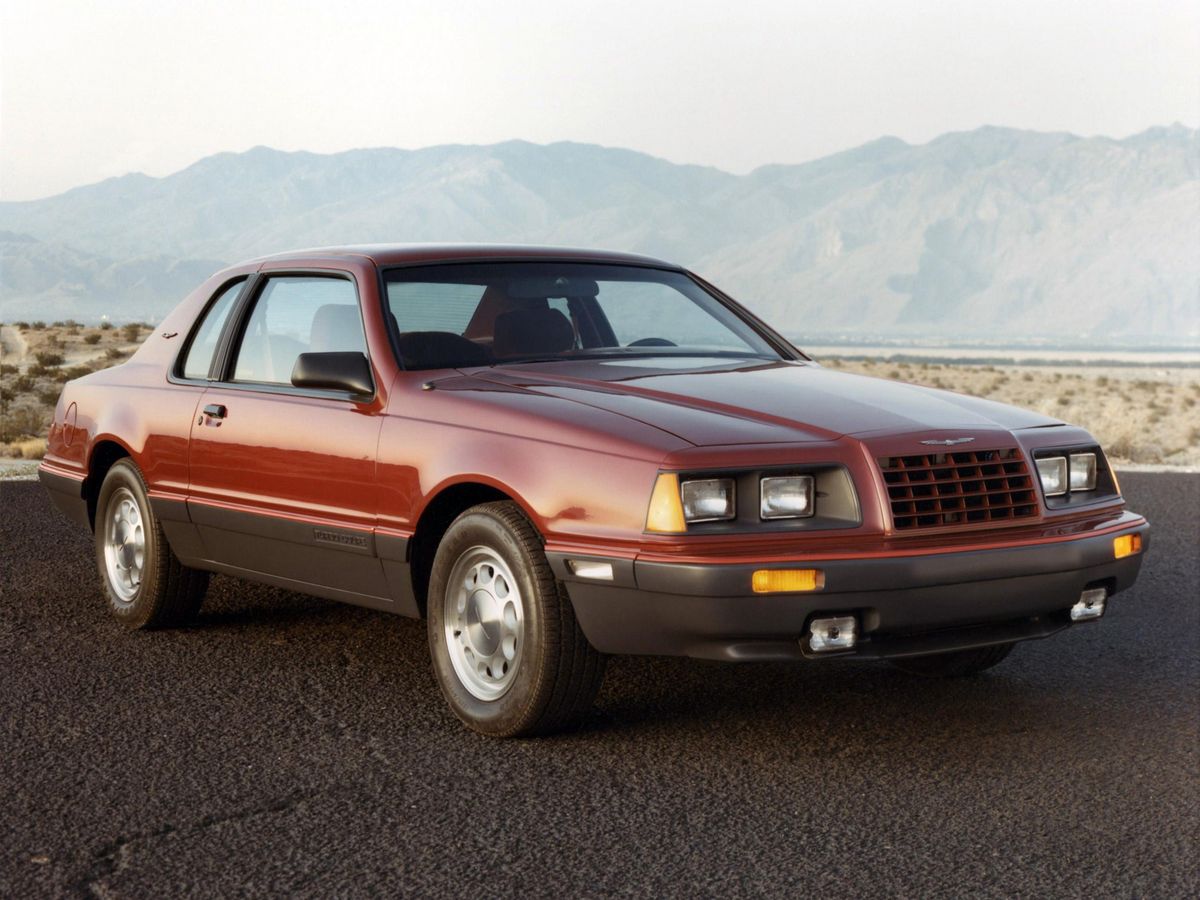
511 322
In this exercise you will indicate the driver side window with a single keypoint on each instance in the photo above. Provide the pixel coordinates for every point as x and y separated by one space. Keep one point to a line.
294 315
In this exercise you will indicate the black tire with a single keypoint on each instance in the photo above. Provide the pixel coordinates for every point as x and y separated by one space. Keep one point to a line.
956 664
558 673
168 593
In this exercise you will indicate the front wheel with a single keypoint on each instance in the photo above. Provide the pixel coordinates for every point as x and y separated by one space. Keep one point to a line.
146 586
507 652
954 664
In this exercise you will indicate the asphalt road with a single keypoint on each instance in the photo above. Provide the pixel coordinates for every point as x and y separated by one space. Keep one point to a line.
289 745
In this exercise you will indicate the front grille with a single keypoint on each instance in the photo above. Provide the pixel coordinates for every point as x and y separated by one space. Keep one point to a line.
965 487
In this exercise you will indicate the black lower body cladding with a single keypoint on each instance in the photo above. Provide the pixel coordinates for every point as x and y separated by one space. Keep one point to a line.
905 605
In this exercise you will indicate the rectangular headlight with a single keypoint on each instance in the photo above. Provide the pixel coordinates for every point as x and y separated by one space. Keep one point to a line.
1053 472
1083 471
786 497
707 500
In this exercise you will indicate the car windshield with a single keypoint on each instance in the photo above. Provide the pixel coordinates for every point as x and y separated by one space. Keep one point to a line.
480 314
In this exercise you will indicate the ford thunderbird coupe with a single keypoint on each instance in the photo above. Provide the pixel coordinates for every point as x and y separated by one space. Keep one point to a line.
556 455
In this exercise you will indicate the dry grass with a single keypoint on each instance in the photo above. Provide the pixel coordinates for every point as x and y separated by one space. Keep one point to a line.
30 448
1138 415
35 361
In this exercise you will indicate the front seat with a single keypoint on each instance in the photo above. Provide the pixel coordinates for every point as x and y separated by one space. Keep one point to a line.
528 332
336 327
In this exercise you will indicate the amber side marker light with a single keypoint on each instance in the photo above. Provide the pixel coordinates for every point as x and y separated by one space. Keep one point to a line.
1126 545
666 509
778 581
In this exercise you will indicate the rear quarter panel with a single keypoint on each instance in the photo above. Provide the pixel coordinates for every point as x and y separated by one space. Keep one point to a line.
134 405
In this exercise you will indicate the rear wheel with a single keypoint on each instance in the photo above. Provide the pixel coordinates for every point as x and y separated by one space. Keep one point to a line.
507 651
146 586
955 664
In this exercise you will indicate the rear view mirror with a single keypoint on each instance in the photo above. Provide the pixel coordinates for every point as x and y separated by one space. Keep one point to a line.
334 372
549 287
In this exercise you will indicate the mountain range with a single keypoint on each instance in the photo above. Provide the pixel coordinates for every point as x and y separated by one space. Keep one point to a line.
994 234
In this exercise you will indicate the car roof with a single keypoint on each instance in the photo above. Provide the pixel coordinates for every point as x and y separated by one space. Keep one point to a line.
408 254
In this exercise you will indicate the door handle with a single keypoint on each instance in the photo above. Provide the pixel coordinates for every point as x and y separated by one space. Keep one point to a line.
215 411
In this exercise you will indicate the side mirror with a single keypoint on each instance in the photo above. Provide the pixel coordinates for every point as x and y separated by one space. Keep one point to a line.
334 372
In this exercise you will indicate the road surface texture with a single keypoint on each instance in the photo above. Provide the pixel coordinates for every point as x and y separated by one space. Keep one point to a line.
286 745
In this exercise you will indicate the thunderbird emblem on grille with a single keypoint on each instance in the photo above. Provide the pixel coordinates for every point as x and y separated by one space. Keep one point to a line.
949 443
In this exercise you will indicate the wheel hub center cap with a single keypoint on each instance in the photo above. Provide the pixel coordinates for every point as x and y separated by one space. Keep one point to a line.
483 622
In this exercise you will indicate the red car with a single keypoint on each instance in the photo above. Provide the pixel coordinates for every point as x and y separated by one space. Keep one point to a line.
554 455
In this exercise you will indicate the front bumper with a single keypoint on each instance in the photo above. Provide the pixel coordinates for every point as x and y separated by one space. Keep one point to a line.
905 604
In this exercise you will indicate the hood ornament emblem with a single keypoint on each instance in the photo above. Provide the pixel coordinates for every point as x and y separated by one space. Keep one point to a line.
949 443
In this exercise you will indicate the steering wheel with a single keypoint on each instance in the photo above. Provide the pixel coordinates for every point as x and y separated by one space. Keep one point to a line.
653 342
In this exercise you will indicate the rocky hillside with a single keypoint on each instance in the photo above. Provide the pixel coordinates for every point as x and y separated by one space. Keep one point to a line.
992 234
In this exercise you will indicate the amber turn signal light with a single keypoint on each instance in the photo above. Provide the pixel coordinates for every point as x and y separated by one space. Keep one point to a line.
1126 545
779 581
666 509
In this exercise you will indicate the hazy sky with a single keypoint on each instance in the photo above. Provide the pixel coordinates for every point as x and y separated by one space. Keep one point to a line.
94 89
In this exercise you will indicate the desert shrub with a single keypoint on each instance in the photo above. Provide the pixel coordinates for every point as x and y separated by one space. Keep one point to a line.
77 372
6 369
59 324
22 384
24 422
48 358
7 395
37 370
114 353
106 326
132 331
34 448
1064 401
23 326
92 338
1028 376
37 326
48 396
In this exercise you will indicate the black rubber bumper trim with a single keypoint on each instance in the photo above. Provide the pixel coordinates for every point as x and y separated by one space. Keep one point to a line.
969 638
67 494
857 575
904 606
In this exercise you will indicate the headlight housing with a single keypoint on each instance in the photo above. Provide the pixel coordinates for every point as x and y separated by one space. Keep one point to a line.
1053 472
786 497
766 499
1083 471
707 499
1069 473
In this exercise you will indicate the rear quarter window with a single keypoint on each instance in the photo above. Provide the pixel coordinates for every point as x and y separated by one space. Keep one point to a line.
199 355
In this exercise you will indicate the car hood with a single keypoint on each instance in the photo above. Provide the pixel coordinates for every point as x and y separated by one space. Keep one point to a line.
711 402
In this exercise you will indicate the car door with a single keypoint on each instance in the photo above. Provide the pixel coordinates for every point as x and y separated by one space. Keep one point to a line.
282 479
